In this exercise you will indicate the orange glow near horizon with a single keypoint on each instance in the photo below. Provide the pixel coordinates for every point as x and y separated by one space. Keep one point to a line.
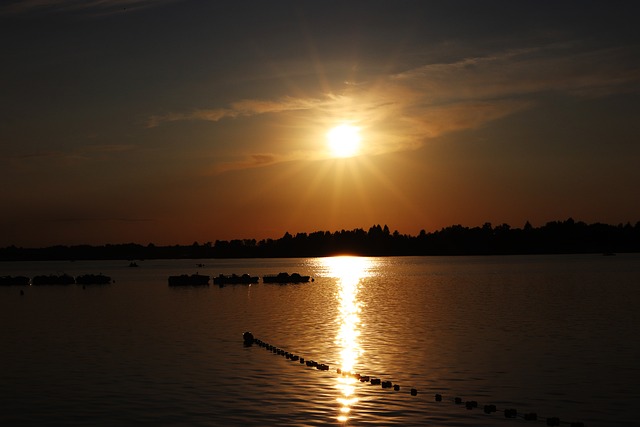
349 271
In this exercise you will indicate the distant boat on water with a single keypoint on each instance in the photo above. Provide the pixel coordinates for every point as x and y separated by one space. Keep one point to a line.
53 279
189 280
14 280
285 278
235 279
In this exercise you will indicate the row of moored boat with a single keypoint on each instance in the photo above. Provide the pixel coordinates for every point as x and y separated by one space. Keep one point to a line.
53 279
236 279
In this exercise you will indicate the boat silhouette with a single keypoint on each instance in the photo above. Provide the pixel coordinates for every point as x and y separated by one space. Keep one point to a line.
285 278
235 279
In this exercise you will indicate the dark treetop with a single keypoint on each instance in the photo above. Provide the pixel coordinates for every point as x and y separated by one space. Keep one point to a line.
556 237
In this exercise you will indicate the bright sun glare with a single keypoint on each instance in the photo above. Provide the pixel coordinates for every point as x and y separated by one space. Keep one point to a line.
344 141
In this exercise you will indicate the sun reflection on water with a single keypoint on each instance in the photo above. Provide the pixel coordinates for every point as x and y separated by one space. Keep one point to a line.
349 271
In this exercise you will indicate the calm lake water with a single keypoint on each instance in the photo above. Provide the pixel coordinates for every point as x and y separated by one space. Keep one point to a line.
555 335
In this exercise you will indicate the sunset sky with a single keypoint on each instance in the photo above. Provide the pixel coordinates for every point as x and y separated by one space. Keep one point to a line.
179 121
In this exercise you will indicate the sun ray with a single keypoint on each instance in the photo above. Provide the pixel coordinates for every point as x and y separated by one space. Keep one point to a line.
406 203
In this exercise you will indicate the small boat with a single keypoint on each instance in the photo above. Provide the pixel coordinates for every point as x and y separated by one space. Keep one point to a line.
186 280
133 264
93 279
285 278
235 279
14 280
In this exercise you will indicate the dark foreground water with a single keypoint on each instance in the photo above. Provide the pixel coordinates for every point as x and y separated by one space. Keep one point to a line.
555 335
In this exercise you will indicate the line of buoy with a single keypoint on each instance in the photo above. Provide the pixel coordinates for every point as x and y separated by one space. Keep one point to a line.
249 340
510 412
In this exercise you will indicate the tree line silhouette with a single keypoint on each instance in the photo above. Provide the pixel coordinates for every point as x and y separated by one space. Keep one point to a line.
556 237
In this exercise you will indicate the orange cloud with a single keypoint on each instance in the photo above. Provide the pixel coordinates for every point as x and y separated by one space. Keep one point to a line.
246 108
401 111
523 72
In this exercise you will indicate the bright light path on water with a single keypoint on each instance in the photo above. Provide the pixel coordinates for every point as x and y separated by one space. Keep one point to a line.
349 271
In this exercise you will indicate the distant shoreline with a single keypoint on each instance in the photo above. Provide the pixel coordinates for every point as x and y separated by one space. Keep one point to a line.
557 237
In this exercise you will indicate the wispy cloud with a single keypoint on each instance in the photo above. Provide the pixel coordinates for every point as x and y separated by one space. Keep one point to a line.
253 161
446 97
109 148
517 73
403 110
74 154
98 219
91 7
244 108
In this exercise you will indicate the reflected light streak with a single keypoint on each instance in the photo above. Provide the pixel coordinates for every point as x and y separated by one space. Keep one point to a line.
349 271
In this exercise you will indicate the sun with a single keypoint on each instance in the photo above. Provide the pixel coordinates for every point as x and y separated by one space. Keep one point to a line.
344 141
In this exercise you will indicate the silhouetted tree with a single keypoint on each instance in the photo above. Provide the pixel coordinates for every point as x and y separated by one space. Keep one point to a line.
567 236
